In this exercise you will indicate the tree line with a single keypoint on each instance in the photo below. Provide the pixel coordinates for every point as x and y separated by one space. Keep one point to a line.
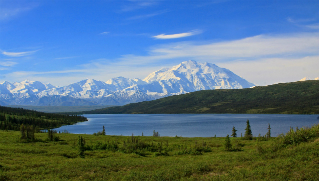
287 98
247 136
13 118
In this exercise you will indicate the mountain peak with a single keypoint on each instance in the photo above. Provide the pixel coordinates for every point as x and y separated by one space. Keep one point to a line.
117 80
308 78
26 82
190 64
91 81
193 76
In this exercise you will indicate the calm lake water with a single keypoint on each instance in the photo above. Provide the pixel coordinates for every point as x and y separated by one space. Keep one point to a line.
189 125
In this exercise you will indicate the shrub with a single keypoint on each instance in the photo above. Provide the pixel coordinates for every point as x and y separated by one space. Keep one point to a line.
299 136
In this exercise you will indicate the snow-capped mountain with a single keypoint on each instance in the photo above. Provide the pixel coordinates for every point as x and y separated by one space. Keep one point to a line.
191 76
307 78
185 77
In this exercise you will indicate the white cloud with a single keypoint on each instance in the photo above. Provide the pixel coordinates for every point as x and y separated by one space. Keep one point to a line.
304 23
62 58
313 26
59 78
104 33
11 9
179 35
8 63
263 59
261 45
17 54
275 70
8 13
147 15
291 20
97 70
138 4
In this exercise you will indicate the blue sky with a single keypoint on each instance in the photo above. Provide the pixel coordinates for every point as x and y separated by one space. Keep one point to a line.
65 41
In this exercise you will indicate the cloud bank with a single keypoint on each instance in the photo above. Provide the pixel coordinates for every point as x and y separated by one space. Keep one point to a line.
262 59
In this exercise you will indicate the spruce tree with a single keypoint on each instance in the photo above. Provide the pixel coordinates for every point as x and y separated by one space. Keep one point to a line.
234 134
155 134
28 132
31 132
227 144
50 135
22 130
268 133
248 134
81 144
103 131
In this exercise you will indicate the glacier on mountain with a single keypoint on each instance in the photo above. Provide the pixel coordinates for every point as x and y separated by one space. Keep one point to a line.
188 76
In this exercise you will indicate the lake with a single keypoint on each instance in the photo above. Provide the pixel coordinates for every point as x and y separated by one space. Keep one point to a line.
189 125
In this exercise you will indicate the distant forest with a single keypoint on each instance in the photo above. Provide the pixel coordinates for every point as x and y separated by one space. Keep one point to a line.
283 98
13 118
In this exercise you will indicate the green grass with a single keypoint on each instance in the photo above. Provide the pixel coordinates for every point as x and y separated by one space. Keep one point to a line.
294 156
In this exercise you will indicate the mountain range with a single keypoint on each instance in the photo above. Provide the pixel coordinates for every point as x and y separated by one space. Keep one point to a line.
188 76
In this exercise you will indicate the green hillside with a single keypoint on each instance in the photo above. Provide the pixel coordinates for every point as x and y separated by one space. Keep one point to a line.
284 98
59 109
13 118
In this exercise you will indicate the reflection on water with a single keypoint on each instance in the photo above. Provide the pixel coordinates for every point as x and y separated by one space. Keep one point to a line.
189 125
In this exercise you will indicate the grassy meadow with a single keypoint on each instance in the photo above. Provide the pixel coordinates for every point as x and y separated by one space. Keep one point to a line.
294 156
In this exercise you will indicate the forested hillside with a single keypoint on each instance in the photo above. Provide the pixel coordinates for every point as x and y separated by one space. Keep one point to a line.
286 98
13 118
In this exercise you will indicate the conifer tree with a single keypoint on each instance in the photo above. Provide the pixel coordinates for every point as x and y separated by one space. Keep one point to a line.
50 135
155 134
227 144
103 131
234 134
81 144
22 130
31 132
28 132
248 134
268 133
